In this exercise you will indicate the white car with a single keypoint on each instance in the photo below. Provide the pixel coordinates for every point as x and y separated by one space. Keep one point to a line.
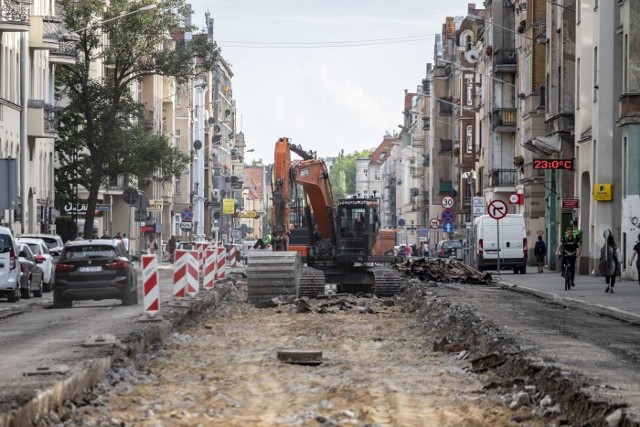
9 266
43 257
53 241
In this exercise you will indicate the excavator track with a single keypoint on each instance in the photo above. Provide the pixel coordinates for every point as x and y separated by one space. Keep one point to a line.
312 282
387 281
273 275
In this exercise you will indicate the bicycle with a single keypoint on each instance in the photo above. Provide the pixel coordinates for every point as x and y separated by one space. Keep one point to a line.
566 273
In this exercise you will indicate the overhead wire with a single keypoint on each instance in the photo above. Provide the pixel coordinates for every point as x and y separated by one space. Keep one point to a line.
323 44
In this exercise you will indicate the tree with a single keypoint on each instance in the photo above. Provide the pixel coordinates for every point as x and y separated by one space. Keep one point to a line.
257 163
345 164
102 120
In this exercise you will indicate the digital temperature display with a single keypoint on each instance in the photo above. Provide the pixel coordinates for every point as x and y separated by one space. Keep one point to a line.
553 164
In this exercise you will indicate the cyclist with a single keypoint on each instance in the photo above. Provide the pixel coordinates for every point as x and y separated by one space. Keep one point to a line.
569 250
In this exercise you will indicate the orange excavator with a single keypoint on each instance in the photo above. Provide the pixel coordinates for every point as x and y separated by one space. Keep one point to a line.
340 242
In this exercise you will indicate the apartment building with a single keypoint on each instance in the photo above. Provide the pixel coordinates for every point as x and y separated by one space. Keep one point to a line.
32 46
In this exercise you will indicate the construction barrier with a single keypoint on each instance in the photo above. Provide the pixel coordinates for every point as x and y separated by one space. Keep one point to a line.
210 264
180 273
222 261
233 255
201 246
193 274
151 287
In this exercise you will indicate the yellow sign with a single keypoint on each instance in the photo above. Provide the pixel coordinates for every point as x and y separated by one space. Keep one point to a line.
228 206
603 192
155 205
248 214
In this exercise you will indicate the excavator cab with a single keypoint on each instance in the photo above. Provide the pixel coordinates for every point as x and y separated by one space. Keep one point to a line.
357 229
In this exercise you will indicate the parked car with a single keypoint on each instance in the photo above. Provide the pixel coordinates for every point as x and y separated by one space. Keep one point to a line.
53 241
449 249
94 270
43 257
9 266
31 274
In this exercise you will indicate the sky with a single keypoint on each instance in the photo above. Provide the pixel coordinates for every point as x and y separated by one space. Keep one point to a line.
323 97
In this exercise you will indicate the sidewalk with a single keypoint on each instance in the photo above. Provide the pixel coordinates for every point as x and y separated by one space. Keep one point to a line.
588 293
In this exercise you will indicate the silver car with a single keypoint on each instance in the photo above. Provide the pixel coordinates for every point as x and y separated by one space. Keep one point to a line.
43 257
9 266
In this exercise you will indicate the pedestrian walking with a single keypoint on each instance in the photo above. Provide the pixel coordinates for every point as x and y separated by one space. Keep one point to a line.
427 250
634 255
153 245
80 236
125 242
609 262
105 235
171 248
540 251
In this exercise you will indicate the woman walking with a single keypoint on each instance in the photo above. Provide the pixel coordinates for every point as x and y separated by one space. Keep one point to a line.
636 252
609 262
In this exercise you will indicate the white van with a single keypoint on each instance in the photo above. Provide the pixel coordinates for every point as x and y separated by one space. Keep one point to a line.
9 266
512 240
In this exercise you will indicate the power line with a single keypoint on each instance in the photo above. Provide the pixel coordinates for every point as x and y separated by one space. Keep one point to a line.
327 42
320 46
561 5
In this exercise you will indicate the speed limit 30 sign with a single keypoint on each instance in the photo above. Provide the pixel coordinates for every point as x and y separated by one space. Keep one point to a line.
447 202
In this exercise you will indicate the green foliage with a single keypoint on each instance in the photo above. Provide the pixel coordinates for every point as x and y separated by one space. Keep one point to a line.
257 163
102 121
345 165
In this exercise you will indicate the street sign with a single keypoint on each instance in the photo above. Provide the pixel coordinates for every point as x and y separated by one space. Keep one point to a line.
155 205
497 209
228 206
447 202
186 225
401 222
186 215
447 227
434 223
103 208
141 216
570 203
448 216
422 231
247 214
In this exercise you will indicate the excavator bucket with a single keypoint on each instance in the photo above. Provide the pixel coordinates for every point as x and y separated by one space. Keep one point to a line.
273 274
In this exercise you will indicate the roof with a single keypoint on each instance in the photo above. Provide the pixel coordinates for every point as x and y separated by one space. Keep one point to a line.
381 153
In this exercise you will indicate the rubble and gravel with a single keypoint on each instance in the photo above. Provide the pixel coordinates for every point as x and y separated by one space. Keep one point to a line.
415 359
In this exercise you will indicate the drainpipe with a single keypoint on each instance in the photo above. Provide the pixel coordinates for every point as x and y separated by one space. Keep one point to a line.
551 223
23 129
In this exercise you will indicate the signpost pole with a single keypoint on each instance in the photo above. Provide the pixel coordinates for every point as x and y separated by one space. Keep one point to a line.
498 240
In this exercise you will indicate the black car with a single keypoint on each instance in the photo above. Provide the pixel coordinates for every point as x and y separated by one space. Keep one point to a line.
94 270
448 249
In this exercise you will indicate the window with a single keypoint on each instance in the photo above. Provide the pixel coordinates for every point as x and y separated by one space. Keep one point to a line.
625 63
365 193
469 86
595 73
376 174
469 140
366 173
468 43
177 185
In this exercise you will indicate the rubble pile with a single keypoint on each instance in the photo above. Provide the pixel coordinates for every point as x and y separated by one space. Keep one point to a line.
442 271
335 303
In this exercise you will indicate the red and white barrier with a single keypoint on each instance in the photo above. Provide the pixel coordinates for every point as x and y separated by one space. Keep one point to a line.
233 256
210 264
193 274
151 285
180 273
222 261
201 247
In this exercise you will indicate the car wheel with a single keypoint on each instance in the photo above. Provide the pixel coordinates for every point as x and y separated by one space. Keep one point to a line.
47 287
15 297
516 270
38 293
26 293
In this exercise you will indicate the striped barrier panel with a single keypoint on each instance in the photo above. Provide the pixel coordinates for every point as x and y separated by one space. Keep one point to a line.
233 256
193 274
222 261
180 273
210 264
151 286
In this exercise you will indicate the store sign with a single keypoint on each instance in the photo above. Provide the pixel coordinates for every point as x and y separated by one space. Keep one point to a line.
71 208
155 205
603 192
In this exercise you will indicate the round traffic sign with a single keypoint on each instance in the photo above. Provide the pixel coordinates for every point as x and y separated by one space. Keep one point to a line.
186 215
434 223
497 209
401 222
513 199
448 216
448 202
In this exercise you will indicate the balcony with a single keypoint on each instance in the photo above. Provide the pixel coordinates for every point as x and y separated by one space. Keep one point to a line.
505 61
42 119
14 16
504 119
446 109
65 53
629 108
503 178
44 32
149 121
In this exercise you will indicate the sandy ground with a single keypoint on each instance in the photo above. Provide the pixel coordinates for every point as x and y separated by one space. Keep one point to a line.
378 369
